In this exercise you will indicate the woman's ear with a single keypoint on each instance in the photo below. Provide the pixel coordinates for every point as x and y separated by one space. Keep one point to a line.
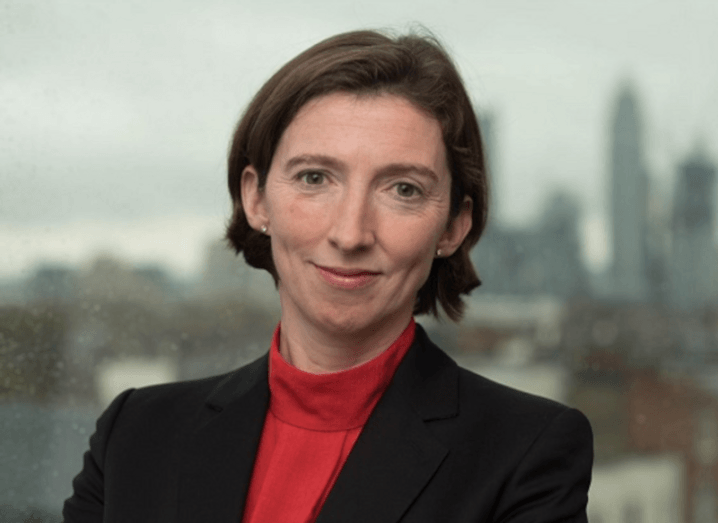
253 200
457 229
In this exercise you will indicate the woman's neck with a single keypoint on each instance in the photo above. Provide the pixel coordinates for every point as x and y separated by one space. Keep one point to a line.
317 351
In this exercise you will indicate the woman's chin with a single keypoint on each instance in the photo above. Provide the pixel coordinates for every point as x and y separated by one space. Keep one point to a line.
359 324
344 324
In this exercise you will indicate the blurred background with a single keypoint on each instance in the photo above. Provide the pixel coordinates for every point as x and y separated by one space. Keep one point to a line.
599 264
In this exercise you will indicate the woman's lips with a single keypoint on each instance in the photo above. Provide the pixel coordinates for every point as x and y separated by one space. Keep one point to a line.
347 278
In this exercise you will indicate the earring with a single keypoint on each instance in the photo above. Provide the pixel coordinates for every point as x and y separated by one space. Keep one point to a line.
438 252
263 228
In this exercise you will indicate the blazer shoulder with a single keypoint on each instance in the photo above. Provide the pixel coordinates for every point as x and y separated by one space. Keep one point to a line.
489 392
510 455
522 419
442 389
439 372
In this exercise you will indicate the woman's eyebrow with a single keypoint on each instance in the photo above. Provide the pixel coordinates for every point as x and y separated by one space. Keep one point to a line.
406 168
315 159
393 169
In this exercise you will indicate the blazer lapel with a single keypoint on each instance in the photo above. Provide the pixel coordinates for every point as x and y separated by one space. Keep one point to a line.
219 454
396 454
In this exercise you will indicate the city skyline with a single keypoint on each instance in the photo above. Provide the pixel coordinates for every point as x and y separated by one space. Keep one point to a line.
116 137
142 242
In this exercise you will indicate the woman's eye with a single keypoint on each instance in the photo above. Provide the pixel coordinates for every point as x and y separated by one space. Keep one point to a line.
312 178
406 190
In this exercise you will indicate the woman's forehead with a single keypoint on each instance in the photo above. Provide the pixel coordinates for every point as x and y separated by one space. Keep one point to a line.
385 127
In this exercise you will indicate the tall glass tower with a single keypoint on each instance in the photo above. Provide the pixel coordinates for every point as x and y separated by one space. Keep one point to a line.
694 271
629 201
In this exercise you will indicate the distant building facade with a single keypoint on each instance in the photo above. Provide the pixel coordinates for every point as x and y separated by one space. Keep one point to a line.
694 256
541 260
629 201
638 489
52 283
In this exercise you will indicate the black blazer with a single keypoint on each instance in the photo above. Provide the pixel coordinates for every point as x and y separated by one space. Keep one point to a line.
442 445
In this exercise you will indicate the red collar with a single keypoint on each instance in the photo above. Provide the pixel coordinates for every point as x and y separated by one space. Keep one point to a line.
335 401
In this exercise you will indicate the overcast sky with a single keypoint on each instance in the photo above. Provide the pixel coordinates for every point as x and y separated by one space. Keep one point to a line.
115 116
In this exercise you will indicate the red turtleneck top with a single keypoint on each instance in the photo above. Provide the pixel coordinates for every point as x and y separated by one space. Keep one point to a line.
311 426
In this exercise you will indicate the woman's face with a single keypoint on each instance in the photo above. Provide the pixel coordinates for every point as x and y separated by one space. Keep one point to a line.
356 204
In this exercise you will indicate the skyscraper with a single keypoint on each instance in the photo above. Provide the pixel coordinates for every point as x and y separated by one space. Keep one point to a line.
629 200
694 259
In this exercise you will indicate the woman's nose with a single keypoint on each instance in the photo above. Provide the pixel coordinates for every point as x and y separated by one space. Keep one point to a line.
353 227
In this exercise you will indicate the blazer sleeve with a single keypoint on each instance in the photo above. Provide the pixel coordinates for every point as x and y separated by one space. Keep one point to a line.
86 505
551 482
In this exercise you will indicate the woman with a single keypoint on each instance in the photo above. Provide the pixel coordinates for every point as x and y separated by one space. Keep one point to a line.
358 182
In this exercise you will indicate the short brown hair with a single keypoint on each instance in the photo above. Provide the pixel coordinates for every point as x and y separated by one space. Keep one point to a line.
415 67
